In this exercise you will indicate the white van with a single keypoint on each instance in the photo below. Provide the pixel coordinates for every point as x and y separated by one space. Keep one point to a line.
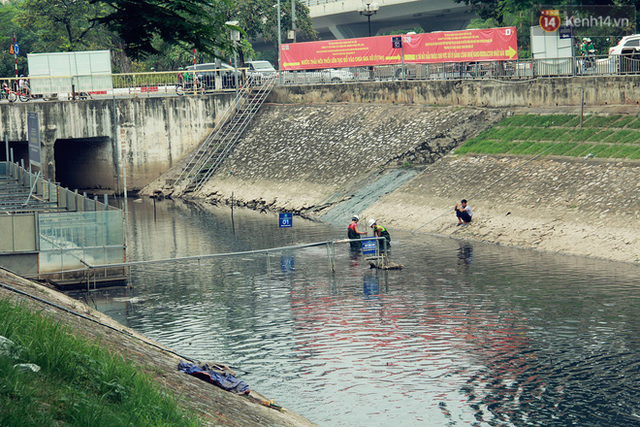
260 69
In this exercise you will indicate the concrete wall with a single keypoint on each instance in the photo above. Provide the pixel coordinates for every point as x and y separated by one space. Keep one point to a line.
155 132
541 92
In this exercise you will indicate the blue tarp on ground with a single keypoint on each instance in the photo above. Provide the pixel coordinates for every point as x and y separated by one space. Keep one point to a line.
225 381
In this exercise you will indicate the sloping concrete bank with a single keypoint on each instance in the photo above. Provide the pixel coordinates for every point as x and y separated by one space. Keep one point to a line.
215 406
302 158
570 206
320 160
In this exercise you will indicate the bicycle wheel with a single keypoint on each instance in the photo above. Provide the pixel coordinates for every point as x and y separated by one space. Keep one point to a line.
179 90
24 97
11 97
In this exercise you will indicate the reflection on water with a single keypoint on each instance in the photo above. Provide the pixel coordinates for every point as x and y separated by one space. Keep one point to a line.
465 334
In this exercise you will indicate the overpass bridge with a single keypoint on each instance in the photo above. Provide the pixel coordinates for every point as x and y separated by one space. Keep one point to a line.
341 19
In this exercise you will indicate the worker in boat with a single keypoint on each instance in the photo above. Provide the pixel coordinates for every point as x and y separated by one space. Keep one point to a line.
380 231
354 233
463 212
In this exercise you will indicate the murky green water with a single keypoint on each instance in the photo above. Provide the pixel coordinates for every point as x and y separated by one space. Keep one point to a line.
465 334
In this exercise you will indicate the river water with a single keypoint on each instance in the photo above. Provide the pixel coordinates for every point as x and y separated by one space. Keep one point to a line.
465 334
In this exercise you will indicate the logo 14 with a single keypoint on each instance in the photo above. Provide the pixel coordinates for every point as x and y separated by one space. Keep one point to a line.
549 20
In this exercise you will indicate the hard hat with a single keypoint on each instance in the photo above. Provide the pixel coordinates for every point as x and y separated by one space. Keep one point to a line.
371 222
588 40
356 217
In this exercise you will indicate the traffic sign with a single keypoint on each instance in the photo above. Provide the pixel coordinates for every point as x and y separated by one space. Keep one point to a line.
285 220
369 246
16 48
396 42
11 51
287 264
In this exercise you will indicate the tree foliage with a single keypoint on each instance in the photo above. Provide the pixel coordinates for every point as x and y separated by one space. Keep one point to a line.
523 14
145 33
191 23
67 25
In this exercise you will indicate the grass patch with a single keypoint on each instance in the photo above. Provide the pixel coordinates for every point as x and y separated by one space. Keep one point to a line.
504 133
490 134
580 150
600 136
600 121
624 136
634 124
548 134
562 148
580 135
629 152
605 150
521 148
79 384
516 120
573 122
624 120
550 120
531 134
526 134
474 146
511 134
501 147
538 148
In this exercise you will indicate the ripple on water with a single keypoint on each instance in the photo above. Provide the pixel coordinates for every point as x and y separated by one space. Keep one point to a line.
465 334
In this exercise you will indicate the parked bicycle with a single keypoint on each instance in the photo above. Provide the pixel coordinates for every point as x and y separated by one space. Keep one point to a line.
12 96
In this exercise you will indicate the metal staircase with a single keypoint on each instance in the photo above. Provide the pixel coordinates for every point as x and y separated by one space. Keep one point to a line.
217 146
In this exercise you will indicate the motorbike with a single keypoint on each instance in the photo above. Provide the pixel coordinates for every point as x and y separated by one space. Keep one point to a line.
589 60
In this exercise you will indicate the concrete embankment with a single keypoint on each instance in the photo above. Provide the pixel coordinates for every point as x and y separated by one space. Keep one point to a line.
305 157
214 405
319 160
570 206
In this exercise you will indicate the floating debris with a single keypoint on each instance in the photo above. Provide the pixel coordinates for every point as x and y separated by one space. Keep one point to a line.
382 264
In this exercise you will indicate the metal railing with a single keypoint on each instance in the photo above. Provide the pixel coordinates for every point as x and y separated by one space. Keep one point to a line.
603 65
222 139
120 85
179 83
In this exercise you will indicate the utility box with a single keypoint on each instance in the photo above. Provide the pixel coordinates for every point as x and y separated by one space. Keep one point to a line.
62 72
553 53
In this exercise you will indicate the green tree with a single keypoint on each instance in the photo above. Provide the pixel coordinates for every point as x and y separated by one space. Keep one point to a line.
189 23
25 38
67 25
304 23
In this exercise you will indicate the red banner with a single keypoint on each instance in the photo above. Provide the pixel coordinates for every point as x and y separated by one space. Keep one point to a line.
493 44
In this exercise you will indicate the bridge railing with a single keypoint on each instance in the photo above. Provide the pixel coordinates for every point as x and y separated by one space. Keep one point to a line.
180 83
520 69
172 83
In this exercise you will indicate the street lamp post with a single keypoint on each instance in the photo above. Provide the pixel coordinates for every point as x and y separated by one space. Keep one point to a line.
368 8
235 38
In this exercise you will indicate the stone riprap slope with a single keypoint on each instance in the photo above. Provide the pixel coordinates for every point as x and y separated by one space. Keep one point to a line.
298 157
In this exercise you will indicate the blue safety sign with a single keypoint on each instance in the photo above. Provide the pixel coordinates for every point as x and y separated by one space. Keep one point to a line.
369 246
285 220
16 48
287 264
396 42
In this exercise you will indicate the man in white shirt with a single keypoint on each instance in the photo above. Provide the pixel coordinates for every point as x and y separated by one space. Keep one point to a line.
463 212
